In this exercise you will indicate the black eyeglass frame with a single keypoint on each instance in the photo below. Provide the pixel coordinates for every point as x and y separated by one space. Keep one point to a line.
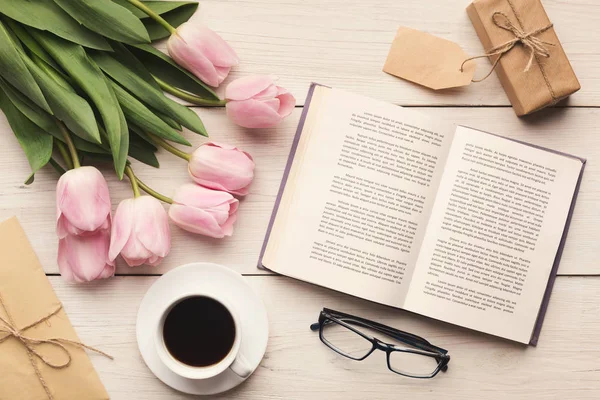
423 347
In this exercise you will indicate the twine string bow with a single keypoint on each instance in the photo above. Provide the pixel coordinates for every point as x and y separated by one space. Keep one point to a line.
536 46
8 327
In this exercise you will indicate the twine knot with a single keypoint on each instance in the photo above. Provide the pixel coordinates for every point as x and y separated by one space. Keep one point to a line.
536 46
10 330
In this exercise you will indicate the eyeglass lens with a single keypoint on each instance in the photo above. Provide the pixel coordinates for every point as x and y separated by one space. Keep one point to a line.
353 345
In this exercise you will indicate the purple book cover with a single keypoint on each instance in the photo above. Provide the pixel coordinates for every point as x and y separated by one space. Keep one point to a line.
544 305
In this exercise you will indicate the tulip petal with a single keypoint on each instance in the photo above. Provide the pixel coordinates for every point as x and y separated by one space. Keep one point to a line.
154 261
217 186
248 86
227 147
200 197
211 44
109 270
233 206
86 255
287 102
272 103
252 114
134 262
121 228
269 93
63 262
64 228
141 232
222 73
195 62
83 199
228 225
195 220
222 169
152 226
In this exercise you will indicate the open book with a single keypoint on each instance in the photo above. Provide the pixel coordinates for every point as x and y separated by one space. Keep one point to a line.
387 204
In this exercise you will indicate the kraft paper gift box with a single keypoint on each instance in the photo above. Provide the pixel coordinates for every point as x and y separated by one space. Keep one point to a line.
27 298
550 76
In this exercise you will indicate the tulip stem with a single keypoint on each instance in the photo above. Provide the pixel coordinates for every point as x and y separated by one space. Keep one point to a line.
153 15
133 180
70 145
153 192
64 153
189 97
170 148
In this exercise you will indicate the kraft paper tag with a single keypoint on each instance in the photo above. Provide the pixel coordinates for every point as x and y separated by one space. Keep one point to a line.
428 60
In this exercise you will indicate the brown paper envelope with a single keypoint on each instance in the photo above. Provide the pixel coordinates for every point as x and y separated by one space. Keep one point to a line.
28 297
428 60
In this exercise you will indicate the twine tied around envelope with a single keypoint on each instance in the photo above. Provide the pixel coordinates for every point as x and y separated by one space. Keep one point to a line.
536 46
8 327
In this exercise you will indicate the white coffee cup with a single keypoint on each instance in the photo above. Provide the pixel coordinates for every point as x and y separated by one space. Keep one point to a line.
234 360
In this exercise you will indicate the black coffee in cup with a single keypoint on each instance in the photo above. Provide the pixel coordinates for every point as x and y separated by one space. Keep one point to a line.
199 331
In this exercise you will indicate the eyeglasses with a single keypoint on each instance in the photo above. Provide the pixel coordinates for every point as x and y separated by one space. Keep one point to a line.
408 355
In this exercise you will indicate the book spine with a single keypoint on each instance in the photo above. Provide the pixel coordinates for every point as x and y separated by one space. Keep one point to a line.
286 172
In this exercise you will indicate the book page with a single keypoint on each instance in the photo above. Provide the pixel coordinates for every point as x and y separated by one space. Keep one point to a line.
493 235
359 194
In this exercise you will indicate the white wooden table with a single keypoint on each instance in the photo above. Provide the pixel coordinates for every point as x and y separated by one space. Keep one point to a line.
344 44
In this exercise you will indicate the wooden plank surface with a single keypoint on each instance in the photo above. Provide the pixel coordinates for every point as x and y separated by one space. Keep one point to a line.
297 365
568 130
344 43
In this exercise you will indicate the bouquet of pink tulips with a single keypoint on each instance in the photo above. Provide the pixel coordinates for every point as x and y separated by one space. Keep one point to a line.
76 88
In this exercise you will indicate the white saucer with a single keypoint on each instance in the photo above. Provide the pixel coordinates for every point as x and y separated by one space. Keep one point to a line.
207 278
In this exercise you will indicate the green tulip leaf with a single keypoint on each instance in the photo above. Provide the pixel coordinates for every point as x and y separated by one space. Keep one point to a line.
84 145
142 151
175 18
58 76
121 160
159 7
74 60
44 120
94 158
137 113
140 132
47 16
120 157
107 18
30 43
14 70
170 121
174 12
30 179
163 67
38 116
147 93
127 58
137 134
36 143
68 106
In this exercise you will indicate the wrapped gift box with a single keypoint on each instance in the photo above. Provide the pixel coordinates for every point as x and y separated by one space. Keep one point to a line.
550 77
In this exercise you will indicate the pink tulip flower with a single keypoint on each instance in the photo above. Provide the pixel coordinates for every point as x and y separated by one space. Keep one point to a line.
202 52
82 202
256 102
222 167
85 258
204 211
140 232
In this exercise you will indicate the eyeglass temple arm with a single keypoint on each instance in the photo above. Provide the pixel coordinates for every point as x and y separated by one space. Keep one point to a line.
406 337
